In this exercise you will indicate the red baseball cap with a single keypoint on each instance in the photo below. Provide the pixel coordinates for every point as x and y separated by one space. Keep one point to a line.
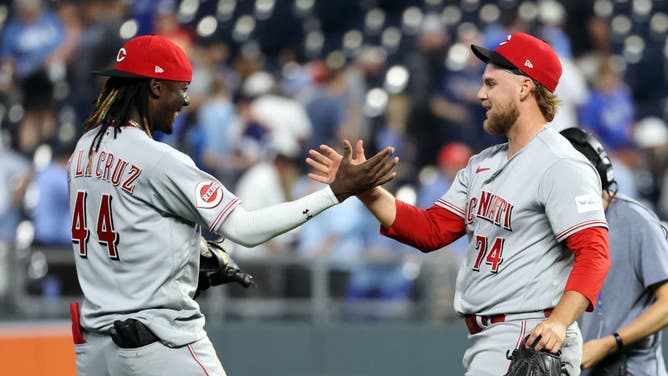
526 53
151 56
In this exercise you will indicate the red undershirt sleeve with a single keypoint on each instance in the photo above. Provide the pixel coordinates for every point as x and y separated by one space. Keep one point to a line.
592 261
426 230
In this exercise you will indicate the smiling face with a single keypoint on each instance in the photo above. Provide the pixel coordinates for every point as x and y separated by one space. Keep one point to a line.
499 96
168 98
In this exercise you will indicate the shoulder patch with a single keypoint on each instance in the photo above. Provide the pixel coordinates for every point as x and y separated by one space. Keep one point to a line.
208 194
587 203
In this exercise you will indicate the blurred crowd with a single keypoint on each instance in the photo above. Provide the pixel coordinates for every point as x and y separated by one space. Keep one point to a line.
274 78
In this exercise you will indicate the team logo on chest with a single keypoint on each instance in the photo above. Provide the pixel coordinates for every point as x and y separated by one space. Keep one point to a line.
208 194
492 208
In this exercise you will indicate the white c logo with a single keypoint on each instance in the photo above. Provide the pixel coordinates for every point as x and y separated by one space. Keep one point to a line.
121 55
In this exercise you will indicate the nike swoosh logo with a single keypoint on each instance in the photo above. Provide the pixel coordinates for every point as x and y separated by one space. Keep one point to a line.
481 169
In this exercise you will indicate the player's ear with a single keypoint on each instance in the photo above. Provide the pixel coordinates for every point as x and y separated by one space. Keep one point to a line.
154 88
525 87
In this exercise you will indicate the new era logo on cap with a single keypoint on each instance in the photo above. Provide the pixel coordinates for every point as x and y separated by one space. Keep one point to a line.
524 52
151 56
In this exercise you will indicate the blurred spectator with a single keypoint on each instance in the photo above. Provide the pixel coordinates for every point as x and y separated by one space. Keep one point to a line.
456 100
15 174
509 22
451 158
269 182
572 90
384 276
285 117
51 213
326 103
651 136
336 236
96 49
427 71
217 123
30 42
609 112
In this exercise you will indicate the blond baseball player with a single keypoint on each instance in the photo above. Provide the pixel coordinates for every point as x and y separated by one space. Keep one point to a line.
531 209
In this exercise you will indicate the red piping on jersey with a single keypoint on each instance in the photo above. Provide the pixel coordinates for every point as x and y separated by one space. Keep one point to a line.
426 230
592 261
580 226
222 213
451 206
194 355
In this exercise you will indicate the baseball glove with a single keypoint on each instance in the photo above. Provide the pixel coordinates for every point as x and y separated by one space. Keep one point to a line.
216 267
529 362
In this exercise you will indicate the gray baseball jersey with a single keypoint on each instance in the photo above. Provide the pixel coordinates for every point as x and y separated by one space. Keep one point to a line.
517 213
137 206
639 259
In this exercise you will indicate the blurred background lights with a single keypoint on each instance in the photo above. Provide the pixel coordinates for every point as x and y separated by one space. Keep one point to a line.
411 20
407 194
375 103
303 7
603 8
490 13
634 46
188 10
391 38
128 29
314 41
352 40
621 25
396 79
642 8
451 15
264 9
374 21
458 56
528 11
243 28
225 9
659 23
207 26
470 6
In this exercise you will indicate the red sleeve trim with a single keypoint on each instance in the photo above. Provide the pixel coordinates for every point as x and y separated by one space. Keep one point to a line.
426 230
592 261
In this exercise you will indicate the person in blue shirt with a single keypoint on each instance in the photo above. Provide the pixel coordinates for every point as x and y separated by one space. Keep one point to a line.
51 213
622 336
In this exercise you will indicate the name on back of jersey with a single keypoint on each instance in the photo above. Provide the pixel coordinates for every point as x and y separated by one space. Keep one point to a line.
104 166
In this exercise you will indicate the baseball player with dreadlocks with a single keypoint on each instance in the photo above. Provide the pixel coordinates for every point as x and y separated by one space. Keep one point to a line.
531 208
137 207
623 336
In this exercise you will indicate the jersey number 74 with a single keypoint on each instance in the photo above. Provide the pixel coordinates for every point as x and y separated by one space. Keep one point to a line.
106 235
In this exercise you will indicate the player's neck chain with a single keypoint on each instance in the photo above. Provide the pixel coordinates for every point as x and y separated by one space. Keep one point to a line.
135 124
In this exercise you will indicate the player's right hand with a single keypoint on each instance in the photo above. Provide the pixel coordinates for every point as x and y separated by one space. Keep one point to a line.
355 175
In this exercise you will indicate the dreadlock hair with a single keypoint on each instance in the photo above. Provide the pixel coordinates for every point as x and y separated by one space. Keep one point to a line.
113 106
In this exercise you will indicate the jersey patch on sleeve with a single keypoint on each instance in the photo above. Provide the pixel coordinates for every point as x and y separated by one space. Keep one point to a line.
587 203
208 194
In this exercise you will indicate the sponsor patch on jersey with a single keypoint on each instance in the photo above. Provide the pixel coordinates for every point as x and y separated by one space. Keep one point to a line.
208 194
587 203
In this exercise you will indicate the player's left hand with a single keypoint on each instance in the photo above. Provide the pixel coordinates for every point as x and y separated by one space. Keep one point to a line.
217 267
594 351
549 335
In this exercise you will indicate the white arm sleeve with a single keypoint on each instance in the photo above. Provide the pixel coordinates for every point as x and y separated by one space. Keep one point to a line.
251 228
